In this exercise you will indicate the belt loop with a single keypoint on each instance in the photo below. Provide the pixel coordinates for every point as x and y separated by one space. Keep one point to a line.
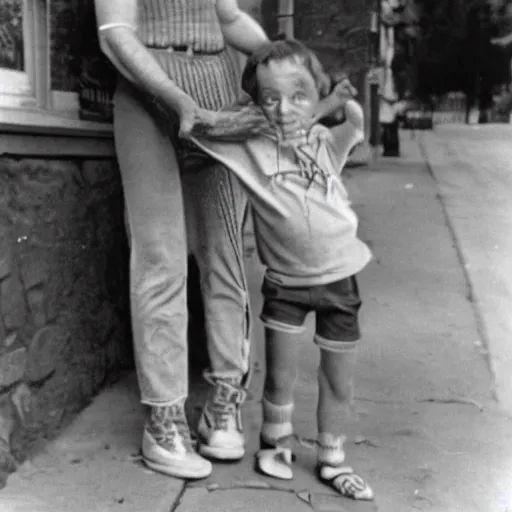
190 51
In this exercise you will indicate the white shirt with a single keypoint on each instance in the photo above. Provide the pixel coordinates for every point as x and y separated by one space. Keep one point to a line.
305 228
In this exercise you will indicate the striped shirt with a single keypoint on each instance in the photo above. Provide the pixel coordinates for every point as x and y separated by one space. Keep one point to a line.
188 23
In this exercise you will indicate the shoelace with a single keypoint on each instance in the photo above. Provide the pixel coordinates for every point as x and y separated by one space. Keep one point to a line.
222 415
184 431
225 402
169 425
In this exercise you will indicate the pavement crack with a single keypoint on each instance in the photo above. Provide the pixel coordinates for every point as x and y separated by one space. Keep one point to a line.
434 400
179 497
374 401
463 401
316 501
253 485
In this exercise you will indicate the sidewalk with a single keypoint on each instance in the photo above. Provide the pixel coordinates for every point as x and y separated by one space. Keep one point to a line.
473 168
430 436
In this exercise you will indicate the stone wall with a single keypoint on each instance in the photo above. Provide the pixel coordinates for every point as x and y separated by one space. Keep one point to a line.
64 318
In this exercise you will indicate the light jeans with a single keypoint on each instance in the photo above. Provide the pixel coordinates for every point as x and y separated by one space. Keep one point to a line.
216 206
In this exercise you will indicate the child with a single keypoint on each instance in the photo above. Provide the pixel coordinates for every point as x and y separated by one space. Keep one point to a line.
306 236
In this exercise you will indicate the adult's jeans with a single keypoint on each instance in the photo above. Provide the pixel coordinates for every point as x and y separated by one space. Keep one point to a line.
156 176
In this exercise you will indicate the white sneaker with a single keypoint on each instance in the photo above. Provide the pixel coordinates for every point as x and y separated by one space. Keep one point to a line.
167 446
220 427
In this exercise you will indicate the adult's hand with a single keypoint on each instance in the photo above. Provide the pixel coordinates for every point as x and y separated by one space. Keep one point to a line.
191 116
232 123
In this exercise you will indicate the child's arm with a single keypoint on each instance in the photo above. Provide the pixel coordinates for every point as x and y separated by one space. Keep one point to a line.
355 116
347 135
330 111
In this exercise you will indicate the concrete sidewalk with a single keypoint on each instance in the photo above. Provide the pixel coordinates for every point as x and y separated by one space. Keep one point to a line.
430 437
473 168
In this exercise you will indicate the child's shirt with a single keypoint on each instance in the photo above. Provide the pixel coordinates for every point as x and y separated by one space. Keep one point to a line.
305 228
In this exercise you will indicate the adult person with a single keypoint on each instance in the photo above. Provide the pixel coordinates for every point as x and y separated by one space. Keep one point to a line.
173 65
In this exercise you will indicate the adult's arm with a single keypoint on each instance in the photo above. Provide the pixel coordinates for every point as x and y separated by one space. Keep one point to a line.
117 20
240 30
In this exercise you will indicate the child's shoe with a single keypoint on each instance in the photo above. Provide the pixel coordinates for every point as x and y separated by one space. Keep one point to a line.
274 458
330 457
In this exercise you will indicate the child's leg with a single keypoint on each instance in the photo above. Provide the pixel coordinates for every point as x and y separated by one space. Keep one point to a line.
284 312
281 365
274 458
336 383
337 335
281 349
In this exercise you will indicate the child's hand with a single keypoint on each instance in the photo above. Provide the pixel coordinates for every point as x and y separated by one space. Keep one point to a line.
344 86
331 108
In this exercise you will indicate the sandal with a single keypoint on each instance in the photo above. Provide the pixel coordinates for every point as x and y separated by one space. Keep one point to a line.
276 462
343 480
276 459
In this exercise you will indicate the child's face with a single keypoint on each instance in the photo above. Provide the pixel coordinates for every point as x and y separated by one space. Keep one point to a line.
287 91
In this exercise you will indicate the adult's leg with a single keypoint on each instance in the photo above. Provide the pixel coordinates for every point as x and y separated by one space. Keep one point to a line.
219 205
158 274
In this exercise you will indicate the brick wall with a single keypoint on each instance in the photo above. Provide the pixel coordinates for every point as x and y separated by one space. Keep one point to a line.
64 319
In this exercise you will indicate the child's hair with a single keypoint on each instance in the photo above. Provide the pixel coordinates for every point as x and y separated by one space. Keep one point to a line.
282 49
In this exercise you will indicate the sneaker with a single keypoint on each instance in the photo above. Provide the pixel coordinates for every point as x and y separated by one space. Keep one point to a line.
220 427
167 445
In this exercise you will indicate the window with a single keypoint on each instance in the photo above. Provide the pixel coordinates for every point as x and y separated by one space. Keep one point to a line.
24 58
11 35
41 89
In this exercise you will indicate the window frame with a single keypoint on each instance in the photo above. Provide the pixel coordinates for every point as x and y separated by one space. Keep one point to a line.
30 88
27 102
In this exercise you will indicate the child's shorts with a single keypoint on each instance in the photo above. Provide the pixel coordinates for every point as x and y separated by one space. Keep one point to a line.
336 306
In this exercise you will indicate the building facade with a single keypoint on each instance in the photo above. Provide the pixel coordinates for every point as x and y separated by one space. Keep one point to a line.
64 318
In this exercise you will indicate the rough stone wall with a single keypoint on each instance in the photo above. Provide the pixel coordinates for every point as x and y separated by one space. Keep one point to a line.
64 318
